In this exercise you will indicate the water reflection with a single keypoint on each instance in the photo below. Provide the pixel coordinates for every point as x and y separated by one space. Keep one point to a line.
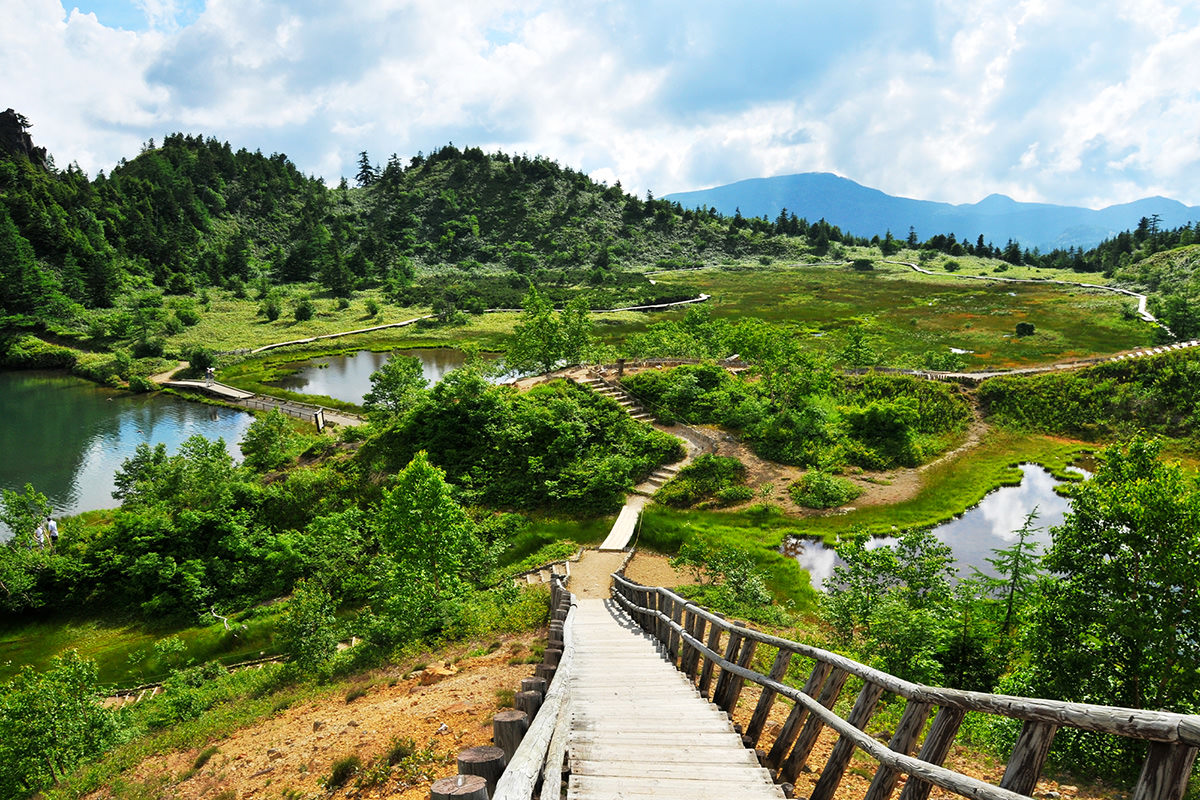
68 437
348 377
972 536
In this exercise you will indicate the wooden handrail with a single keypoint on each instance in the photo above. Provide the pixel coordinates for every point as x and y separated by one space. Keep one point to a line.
1175 737
540 754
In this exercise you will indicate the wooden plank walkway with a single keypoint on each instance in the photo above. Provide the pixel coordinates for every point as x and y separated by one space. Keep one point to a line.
640 730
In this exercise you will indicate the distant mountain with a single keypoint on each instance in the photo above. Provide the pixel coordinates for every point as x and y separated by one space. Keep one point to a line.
867 212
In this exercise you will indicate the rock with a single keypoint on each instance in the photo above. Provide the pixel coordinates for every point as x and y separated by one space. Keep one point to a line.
434 674
352 723
1066 788
443 729
318 724
1049 795
274 755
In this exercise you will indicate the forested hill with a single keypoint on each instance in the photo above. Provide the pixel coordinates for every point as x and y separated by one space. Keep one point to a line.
192 211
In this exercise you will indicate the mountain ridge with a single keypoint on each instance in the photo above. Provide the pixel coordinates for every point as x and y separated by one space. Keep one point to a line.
864 210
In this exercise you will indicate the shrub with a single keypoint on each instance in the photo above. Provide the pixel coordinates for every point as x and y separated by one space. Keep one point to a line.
342 304
1025 329
201 358
372 306
953 266
271 308
149 347
822 490
704 477
139 384
304 309
735 494
342 771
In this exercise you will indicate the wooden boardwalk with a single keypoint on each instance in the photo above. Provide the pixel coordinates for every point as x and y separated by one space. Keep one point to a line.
640 730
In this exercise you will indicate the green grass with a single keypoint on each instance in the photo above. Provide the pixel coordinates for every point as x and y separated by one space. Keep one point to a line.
914 313
545 531
111 645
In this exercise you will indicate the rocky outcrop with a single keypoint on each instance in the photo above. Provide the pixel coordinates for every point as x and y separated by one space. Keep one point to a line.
15 139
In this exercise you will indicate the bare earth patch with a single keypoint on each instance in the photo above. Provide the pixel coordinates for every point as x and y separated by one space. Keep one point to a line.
448 704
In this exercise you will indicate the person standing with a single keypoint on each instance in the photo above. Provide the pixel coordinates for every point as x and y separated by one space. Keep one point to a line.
40 537
52 527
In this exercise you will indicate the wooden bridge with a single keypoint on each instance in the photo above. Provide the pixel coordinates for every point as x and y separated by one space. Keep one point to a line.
644 687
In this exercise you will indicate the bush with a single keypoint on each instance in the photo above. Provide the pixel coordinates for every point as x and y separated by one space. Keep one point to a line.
304 309
141 385
822 490
372 306
342 771
149 347
271 308
735 494
1025 329
703 478
201 358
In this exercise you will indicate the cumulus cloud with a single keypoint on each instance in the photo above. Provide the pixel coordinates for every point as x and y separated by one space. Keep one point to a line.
1048 100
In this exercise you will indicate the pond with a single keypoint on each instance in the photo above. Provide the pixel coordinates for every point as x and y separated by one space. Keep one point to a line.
974 535
68 436
347 377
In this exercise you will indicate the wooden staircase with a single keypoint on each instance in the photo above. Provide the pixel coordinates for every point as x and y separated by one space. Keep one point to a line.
638 729
623 398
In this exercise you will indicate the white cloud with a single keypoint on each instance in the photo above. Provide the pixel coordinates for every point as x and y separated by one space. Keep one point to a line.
1052 100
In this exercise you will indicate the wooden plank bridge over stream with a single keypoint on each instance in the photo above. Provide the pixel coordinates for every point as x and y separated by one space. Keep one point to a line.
643 687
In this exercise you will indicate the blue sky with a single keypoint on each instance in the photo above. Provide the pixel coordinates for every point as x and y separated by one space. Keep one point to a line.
1084 103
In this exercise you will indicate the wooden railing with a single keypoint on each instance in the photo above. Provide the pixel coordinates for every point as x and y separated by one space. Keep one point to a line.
706 647
539 757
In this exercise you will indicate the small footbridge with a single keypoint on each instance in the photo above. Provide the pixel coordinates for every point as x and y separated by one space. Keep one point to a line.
651 696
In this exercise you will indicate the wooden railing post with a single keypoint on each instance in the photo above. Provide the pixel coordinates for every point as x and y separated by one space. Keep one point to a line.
912 722
791 727
812 728
1028 756
732 647
835 767
677 618
690 654
1165 771
734 690
934 749
761 711
714 644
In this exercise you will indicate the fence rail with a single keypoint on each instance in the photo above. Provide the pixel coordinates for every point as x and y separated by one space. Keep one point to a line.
705 646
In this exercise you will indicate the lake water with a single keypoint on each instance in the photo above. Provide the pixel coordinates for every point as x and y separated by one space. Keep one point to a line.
348 377
972 536
68 436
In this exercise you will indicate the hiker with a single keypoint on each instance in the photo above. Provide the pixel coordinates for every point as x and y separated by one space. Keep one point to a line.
40 537
209 375
52 527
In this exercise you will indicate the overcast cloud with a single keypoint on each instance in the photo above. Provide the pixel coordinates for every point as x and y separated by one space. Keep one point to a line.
1083 103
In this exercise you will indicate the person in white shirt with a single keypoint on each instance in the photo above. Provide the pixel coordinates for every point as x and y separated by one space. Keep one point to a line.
40 537
52 527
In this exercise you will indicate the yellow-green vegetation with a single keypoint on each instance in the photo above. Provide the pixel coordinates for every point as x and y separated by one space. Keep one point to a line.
910 314
125 652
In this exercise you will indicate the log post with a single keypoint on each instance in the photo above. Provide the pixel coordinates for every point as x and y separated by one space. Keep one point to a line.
714 644
791 727
759 720
552 656
545 671
529 702
485 761
904 741
934 750
734 690
812 728
534 685
459 787
732 648
694 624
676 613
508 728
835 766
1028 756
1165 771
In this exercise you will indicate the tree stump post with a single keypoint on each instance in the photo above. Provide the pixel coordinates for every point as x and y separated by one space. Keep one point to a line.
462 787
508 729
552 656
529 702
534 685
485 761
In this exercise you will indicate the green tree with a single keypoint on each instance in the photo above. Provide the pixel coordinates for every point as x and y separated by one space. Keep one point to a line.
536 343
20 556
395 386
49 722
1016 570
1117 623
266 442
308 630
